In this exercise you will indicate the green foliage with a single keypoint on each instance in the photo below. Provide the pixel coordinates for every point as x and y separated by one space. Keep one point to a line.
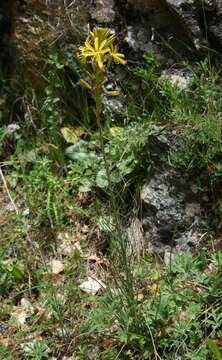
46 193
147 311
124 147
173 322
214 349
37 351
10 273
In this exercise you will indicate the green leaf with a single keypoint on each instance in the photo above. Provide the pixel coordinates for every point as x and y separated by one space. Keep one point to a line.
101 179
214 349
17 273
86 186
126 166
31 156
76 155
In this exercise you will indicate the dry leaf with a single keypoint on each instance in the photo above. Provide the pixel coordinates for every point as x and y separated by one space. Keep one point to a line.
57 266
153 289
140 297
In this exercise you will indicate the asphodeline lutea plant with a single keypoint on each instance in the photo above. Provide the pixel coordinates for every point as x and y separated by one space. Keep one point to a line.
99 52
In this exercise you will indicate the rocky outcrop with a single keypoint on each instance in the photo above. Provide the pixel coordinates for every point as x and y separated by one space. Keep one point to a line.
198 22
171 209
171 215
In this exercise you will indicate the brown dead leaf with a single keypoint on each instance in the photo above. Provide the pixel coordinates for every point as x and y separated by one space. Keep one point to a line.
209 269
140 297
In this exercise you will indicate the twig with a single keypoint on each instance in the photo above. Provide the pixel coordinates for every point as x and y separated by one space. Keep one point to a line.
7 190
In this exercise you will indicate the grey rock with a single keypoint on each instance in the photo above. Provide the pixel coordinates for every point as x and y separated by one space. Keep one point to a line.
179 78
114 105
103 11
146 5
186 12
169 256
180 22
171 211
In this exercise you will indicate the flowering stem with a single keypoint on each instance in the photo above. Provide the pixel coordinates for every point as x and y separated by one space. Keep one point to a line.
97 95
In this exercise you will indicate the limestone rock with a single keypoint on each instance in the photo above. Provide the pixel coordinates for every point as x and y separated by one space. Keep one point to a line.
170 215
171 210
103 11
182 21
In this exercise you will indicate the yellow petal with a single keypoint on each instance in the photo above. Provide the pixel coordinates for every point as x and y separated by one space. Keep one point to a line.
96 43
119 59
99 61
113 93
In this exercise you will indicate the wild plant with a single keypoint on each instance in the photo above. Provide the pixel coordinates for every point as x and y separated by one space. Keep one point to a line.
99 52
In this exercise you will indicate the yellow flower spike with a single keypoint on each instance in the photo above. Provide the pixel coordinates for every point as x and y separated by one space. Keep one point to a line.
99 52
96 46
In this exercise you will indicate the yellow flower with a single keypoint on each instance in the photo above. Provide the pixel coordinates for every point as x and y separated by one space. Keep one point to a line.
97 45
118 57
103 35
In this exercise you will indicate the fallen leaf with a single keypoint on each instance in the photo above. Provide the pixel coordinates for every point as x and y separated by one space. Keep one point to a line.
57 266
140 297
153 289
72 135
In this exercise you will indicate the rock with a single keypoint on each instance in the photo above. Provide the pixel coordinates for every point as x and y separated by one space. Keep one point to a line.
175 24
103 11
169 217
92 286
8 11
185 11
153 29
139 38
179 78
169 256
146 5
171 211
